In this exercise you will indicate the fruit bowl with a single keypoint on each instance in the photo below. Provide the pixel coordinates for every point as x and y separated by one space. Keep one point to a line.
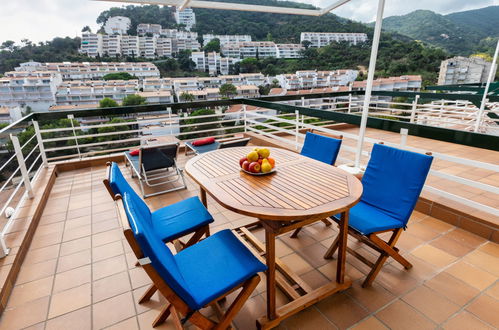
259 174
258 162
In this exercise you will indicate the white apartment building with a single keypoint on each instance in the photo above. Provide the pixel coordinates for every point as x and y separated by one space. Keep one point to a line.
157 84
185 17
212 62
288 50
91 44
308 79
117 25
164 47
464 70
147 46
226 38
35 89
130 45
213 93
90 92
152 42
111 45
261 49
410 83
154 29
321 39
93 70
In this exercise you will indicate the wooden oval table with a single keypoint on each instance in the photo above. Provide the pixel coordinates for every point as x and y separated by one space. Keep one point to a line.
300 192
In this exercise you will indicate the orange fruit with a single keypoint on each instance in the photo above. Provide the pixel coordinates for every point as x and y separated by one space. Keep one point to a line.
271 161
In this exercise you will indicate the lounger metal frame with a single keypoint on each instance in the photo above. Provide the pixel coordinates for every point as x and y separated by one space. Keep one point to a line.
153 178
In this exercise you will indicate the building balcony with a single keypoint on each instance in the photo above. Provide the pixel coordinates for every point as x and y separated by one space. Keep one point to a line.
78 268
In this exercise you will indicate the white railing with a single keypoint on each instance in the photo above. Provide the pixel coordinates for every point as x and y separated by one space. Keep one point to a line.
78 142
347 157
22 168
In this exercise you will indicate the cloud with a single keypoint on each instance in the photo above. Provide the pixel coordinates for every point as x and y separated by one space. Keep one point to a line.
41 20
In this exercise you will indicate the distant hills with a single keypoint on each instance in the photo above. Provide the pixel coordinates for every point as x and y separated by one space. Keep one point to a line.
460 33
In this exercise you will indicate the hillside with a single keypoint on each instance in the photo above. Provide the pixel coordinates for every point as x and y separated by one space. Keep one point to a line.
398 54
283 28
461 33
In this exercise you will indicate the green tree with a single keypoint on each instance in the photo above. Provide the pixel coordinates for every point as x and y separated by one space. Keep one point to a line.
187 97
201 124
227 90
249 65
184 60
86 28
213 46
109 129
107 103
306 43
134 99
119 76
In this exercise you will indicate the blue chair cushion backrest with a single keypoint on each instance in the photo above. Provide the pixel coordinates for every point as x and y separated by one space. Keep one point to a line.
160 255
321 148
394 179
119 185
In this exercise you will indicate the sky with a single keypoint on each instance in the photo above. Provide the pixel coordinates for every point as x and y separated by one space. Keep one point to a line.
42 20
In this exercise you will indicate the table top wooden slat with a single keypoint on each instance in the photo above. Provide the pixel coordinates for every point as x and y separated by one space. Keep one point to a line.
301 187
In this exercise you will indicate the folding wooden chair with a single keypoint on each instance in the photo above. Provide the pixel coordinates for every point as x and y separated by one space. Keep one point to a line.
155 166
198 276
322 147
392 184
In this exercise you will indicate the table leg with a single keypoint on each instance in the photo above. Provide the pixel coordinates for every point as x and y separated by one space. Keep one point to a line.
202 194
271 281
342 247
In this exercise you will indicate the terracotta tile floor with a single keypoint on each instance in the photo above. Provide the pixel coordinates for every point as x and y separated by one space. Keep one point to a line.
81 274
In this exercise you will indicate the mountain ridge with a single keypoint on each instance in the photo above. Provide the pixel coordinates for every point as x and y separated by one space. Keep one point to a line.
460 33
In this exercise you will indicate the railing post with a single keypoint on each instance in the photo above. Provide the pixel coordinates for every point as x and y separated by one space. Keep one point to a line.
303 101
403 137
71 117
40 143
170 119
297 127
244 116
22 165
414 107
349 103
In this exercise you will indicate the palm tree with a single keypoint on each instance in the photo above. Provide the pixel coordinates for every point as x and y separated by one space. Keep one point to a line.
187 97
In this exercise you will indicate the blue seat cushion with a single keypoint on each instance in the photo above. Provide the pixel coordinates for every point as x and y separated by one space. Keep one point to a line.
215 266
321 148
204 148
368 219
179 219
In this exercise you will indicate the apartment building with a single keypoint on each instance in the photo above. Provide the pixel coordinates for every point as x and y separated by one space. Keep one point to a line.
147 46
92 70
185 17
212 62
321 39
91 44
34 89
289 50
464 70
213 93
157 84
164 47
117 25
308 79
154 29
111 45
410 83
89 92
261 49
226 38
130 46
